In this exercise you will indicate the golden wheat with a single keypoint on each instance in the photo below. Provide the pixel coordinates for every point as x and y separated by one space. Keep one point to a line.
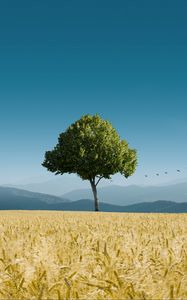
68 255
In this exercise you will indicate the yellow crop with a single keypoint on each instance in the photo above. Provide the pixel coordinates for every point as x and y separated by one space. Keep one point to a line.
74 255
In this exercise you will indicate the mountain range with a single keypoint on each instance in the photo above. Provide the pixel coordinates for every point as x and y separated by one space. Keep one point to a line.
12 198
132 194
17 199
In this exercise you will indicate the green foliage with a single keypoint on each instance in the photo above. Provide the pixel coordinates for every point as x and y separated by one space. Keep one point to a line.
91 148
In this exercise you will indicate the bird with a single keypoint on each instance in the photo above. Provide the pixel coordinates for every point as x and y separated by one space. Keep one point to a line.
166 172
178 170
157 174
146 175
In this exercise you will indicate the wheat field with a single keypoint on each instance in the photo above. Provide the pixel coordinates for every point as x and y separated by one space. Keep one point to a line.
80 255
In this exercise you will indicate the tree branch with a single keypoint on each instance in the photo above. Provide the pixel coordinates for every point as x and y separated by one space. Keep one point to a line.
100 177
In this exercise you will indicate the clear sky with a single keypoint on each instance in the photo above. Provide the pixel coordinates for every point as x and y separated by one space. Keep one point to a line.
126 60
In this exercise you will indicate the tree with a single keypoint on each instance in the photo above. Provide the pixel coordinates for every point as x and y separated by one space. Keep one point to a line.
92 149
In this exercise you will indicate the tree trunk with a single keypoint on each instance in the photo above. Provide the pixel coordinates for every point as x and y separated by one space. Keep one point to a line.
94 190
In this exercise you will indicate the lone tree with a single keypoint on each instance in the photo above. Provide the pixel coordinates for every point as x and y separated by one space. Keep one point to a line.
91 148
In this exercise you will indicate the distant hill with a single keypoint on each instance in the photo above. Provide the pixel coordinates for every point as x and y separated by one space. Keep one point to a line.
12 198
59 185
146 207
127 195
15 199
56 186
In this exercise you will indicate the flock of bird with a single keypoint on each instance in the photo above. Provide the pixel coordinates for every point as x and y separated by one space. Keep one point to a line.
166 172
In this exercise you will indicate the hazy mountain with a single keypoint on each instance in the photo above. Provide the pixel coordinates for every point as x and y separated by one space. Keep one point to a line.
57 186
16 202
11 195
15 199
132 194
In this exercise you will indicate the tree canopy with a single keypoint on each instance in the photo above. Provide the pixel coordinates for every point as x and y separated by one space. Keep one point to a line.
91 148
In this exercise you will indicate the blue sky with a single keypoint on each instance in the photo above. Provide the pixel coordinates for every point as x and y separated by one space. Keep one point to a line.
126 60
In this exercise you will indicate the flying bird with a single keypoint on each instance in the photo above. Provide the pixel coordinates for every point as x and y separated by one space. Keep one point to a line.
157 174
165 172
178 170
146 175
